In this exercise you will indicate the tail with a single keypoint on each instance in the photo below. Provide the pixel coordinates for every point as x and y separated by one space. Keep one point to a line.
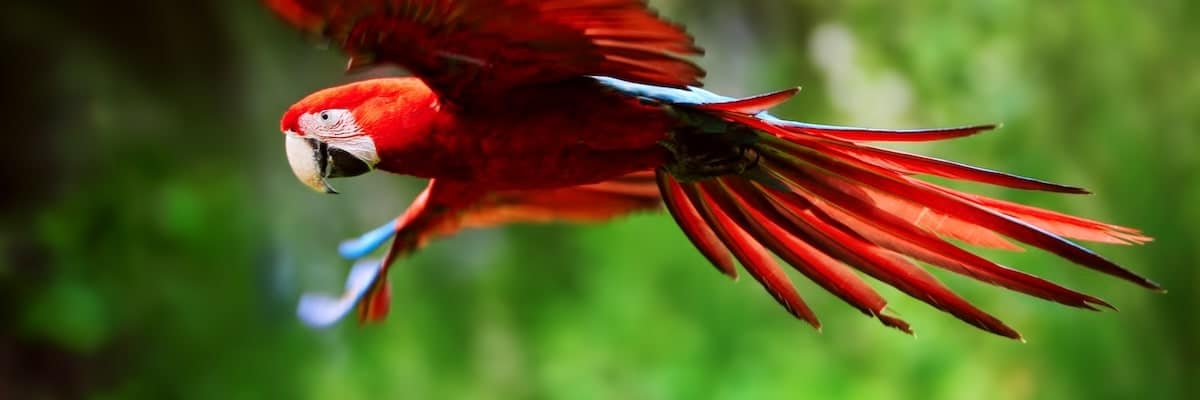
829 206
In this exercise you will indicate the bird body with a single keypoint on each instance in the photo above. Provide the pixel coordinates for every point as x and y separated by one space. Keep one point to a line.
535 140
581 111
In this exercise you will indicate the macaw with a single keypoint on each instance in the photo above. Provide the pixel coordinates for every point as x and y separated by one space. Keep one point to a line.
585 110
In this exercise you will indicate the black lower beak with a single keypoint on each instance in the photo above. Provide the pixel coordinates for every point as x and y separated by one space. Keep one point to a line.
337 163
340 163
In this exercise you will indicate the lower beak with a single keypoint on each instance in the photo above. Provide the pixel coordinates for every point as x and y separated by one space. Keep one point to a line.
313 161
307 162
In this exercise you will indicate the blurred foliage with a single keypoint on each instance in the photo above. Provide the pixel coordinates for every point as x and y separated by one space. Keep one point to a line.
153 242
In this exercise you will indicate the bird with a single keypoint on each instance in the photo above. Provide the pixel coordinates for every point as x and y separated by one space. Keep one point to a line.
586 110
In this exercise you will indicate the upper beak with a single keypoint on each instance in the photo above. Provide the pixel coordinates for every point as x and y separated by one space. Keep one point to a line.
313 161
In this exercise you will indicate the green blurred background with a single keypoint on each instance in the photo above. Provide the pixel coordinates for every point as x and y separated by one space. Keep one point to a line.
153 242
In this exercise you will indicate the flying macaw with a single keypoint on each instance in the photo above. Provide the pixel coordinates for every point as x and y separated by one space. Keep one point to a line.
585 110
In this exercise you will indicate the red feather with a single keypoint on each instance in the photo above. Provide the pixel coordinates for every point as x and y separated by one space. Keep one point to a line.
879 135
916 164
751 105
1060 224
693 225
868 258
475 50
514 118
896 234
792 244
753 257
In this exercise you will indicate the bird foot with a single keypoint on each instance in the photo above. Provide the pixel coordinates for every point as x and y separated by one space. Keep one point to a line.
735 161
699 154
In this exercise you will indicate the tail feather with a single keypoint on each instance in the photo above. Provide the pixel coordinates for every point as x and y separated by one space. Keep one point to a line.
694 226
936 222
901 162
767 225
837 241
877 135
751 105
896 185
1068 226
901 236
917 164
828 205
801 248
751 255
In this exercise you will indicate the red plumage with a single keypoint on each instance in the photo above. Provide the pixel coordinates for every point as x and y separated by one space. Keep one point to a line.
557 110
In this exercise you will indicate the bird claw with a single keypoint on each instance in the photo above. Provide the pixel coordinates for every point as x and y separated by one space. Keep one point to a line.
319 310
359 247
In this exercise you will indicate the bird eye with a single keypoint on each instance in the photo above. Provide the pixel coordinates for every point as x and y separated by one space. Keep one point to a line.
330 121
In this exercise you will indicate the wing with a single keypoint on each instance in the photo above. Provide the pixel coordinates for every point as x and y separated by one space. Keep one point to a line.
471 49
431 216
576 204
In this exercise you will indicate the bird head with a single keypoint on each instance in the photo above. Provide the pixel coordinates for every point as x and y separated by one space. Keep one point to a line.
342 131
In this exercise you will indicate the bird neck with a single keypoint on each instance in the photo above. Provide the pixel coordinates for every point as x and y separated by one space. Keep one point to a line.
401 119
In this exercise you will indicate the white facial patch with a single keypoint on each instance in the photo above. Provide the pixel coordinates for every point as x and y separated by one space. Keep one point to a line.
338 128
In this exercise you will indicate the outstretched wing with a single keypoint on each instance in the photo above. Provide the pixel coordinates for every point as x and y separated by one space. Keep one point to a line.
470 49
577 204
366 286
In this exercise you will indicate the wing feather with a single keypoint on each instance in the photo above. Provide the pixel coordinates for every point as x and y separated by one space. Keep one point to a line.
469 49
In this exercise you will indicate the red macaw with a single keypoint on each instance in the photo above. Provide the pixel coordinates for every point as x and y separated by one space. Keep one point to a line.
584 110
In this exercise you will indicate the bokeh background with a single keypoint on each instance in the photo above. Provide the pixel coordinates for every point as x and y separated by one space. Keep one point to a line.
153 242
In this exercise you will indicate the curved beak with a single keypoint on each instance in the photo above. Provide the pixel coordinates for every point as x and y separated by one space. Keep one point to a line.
313 161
